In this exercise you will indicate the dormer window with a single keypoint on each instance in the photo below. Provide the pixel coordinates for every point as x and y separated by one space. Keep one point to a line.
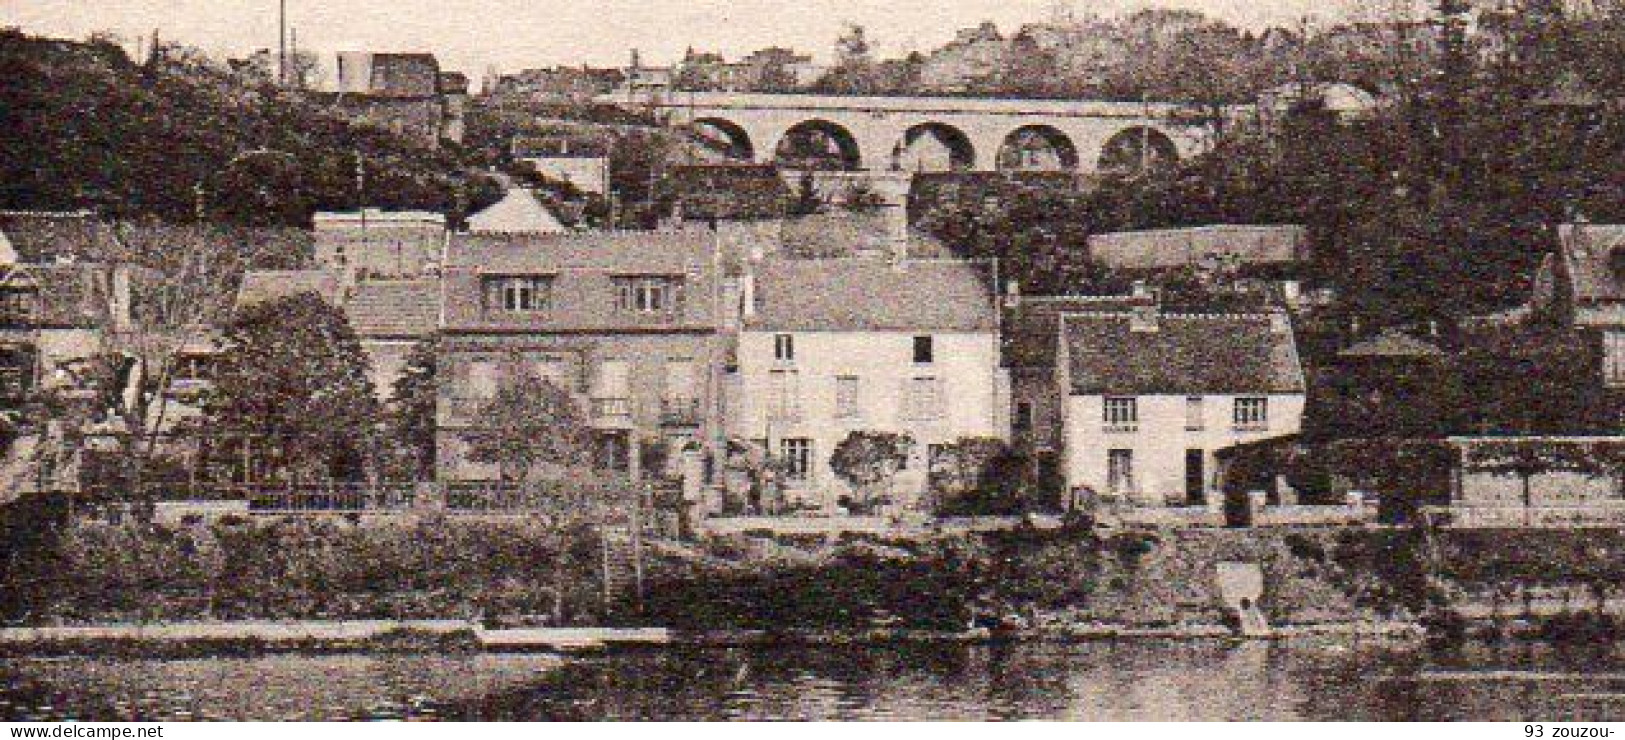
518 293
648 295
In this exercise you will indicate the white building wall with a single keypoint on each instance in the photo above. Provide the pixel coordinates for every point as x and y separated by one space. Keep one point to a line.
973 393
1160 442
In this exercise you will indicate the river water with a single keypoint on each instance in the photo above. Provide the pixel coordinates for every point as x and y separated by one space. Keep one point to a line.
1124 680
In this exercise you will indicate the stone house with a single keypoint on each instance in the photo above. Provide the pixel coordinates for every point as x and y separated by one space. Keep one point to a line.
1029 346
629 322
1150 397
404 92
828 347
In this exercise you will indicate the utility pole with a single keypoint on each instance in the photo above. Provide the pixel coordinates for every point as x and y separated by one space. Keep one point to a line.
282 43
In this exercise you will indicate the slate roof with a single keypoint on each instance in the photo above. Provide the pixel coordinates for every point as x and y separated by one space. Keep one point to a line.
1188 354
1031 326
873 295
1588 251
519 212
48 236
1391 344
1168 248
583 267
394 309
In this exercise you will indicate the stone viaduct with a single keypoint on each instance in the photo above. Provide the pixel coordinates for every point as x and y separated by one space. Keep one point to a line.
915 134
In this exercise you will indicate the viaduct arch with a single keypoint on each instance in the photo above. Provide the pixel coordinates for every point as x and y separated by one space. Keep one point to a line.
908 134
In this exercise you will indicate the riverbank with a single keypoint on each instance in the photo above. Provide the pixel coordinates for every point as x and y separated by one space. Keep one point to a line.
450 636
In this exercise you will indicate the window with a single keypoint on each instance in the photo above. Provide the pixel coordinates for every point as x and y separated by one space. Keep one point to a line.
846 397
648 294
612 390
518 294
784 396
1252 414
17 306
925 400
924 351
1120 471
1024 416
1613 358
1195 414
1121 414
784 347
796 455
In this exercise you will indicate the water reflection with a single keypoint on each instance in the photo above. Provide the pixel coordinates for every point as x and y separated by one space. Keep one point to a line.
1215 680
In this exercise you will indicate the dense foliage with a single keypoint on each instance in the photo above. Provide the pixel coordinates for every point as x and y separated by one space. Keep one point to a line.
180 135
292 382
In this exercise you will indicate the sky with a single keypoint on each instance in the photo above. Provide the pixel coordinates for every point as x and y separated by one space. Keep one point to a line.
475 35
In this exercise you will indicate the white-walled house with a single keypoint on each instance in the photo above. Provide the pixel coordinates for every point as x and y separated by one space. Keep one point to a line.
1150 397
828 347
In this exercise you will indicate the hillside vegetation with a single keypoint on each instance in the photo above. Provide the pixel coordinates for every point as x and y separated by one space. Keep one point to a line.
88 127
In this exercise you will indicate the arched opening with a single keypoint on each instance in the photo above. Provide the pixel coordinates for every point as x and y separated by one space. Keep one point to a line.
725 137
1037 148
818 145
934 147
1134 151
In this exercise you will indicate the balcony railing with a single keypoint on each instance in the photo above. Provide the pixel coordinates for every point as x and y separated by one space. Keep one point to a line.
680 411
1124 427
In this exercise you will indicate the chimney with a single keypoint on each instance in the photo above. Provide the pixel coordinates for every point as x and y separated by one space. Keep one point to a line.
1144 319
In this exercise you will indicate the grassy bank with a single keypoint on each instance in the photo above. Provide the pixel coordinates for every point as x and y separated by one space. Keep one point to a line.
502 573
306 568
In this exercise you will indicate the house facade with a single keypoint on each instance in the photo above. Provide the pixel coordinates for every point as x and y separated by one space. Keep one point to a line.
835 346
628 322
1150 397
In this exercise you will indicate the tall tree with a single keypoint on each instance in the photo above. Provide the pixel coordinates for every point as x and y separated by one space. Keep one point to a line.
292 382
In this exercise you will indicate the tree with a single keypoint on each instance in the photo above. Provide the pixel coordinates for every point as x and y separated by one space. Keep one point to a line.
538 436
531 425
411 411
292 383
869 460
977 476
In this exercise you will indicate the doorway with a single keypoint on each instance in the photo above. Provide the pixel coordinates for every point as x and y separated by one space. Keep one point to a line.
1195 478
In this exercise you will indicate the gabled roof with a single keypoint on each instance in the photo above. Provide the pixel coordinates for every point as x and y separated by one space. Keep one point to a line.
873 295
48 236
1588 256
1032 325
394 309
1392 343
1168 248
519 212
1187 354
